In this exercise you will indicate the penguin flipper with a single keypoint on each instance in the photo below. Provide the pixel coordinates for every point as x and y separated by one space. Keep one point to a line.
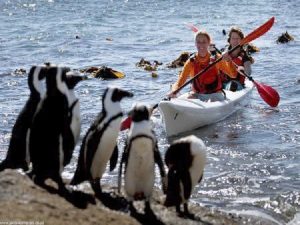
159 162
114 159
124 159
80 173
200 179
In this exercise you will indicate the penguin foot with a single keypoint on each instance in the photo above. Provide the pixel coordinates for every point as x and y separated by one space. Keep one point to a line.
40 181
79 199
96 188
147 218
29 174
63 191
114 202
148 210
132 209
185 214
24 167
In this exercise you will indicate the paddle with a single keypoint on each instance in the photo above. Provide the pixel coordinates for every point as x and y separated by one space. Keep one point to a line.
267 93
250 37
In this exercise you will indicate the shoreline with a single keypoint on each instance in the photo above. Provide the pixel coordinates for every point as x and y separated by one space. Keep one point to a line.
22 202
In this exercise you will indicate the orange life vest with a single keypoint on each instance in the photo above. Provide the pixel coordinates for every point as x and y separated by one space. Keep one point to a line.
210 81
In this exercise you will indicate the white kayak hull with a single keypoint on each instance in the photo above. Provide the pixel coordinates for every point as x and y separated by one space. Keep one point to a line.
182 114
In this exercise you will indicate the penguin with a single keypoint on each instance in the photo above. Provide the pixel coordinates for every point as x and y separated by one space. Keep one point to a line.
185 159
74 119
51 139
140 156
99 144
17 154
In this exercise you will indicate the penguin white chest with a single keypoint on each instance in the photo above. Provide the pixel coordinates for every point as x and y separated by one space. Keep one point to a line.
196 170
106 145
139 175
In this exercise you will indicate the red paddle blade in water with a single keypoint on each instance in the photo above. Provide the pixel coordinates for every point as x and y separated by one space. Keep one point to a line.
268 94
126 123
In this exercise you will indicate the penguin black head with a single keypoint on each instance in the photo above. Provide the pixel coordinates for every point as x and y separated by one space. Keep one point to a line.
117 94
73 78
139 113
112 97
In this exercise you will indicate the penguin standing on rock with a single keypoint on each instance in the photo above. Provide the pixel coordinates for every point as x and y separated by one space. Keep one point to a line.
100 142
17 155
140 155
185 159
51 141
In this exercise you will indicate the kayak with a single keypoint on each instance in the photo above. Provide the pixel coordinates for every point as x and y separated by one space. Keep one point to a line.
185 114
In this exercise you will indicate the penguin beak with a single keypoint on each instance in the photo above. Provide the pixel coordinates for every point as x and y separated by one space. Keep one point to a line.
123 94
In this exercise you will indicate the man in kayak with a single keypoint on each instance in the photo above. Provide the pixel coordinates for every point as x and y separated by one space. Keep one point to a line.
210 82
241 61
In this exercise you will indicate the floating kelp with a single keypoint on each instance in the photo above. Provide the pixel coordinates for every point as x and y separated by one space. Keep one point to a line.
20 71
103 72
92 69
108 73
284 38
154 75
147 65
180 61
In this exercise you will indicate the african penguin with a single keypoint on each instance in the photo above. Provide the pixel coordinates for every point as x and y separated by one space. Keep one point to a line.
100 142
185 159
72 79
51 139
140 155
17 156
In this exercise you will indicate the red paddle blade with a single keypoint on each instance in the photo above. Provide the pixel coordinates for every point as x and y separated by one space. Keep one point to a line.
126 123
192 27
268 94
258 31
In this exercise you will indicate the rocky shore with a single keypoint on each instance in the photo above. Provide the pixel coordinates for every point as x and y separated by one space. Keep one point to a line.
22 202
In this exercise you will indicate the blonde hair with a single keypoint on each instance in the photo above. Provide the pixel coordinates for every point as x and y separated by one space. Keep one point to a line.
203 33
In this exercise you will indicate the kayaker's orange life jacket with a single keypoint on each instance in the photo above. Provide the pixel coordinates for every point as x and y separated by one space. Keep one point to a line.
208 82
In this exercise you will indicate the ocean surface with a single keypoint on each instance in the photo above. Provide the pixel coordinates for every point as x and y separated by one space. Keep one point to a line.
253 156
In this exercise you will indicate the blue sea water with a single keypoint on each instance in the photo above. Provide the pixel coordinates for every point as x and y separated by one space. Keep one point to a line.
253 156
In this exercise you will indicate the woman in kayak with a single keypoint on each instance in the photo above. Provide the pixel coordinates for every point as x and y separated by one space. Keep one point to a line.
210 82
241 61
